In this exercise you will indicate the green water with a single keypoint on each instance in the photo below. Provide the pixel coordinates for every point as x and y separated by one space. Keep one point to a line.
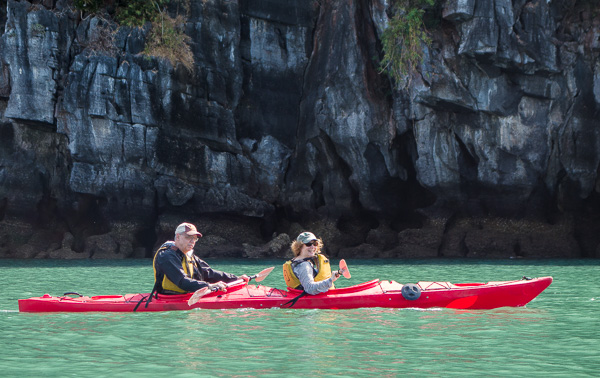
558 334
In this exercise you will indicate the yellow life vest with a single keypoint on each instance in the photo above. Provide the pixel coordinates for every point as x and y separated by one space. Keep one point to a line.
186 263
323 267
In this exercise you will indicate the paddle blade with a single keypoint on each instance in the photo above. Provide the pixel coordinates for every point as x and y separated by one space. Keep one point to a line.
344 269
262 275
197 295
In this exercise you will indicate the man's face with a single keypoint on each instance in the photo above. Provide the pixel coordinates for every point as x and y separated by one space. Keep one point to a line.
185 242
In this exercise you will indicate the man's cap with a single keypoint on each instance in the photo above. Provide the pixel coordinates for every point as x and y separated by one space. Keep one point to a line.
306 237
188 229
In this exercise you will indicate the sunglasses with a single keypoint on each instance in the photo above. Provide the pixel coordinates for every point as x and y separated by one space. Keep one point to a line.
191 237
315 243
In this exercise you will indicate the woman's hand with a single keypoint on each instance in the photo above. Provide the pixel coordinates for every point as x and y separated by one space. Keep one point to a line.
335 276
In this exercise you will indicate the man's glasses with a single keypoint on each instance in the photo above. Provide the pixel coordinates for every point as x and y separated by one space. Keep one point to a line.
315 243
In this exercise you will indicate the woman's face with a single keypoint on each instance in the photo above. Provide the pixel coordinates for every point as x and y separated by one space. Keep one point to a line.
310 249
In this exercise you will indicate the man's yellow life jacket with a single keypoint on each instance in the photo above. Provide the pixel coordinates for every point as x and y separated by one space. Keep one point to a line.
187 265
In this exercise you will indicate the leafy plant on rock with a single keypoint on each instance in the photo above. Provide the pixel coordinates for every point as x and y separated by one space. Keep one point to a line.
404 38
102 40
138 12
167 40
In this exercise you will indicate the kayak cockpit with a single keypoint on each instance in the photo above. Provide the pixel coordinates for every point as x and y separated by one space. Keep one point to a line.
343 290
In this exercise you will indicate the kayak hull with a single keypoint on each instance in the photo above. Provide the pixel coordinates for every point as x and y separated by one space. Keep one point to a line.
375 293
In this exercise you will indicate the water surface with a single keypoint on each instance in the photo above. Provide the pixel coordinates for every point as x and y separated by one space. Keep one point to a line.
557 334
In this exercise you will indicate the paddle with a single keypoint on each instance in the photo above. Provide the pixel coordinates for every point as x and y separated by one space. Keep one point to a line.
344 269
262 275
205 290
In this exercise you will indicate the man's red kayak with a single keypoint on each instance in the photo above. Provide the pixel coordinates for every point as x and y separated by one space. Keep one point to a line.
376 293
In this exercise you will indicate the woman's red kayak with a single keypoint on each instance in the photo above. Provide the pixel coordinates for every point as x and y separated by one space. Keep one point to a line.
376 293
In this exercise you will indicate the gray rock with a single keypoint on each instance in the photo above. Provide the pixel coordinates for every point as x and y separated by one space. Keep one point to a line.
285 123
278 247
458 11
32 47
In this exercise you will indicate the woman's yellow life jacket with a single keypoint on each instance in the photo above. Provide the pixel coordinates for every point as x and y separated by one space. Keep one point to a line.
187 265
323 267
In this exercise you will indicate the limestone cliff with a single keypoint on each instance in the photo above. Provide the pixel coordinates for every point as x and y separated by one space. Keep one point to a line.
285 123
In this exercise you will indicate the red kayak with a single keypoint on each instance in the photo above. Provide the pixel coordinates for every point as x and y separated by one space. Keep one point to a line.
376 293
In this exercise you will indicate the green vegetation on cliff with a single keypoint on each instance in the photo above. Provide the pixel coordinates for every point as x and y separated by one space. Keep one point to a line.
404 38
166 38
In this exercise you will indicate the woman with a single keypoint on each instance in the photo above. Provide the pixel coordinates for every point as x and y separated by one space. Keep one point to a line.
309 270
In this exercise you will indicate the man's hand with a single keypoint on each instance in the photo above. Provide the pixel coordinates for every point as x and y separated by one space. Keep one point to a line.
218 286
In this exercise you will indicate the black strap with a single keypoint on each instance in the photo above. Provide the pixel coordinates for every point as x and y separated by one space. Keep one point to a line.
296 262
139 303
153 293
76 293
309 259
293 301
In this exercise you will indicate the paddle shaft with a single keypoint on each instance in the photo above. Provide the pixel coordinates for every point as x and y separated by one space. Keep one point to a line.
205 290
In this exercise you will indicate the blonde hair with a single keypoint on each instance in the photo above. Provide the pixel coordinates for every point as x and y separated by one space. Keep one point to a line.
297 246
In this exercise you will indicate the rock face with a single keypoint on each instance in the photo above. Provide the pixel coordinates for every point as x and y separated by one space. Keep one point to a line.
285 123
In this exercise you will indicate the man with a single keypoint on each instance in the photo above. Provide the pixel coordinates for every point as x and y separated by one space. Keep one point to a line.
177 270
